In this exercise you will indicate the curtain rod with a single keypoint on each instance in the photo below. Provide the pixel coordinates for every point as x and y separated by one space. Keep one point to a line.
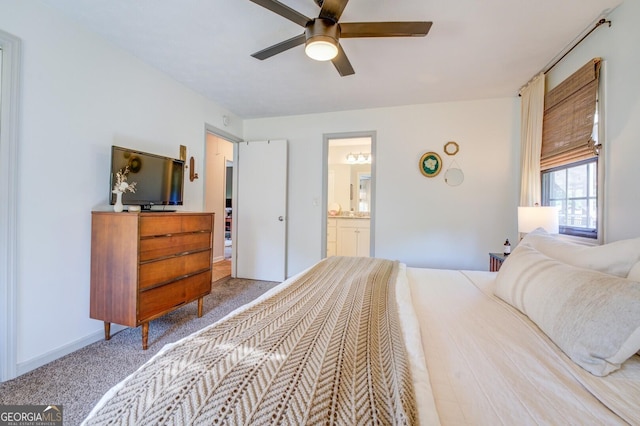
555 62
600 22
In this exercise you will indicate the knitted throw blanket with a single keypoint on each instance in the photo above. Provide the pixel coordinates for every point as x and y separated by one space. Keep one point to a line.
326 349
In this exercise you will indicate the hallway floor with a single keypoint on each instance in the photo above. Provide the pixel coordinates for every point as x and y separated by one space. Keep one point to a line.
221 270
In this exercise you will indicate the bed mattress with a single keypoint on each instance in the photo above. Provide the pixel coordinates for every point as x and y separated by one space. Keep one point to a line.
488 364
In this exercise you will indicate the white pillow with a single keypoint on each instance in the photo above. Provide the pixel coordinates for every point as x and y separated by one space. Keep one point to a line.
593 317
634 273
616 258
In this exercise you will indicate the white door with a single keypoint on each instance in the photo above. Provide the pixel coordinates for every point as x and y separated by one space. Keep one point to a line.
261 208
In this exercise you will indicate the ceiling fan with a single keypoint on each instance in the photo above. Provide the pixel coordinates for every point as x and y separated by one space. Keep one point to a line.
322 34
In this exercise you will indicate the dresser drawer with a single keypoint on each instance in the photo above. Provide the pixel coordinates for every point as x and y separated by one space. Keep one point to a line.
166 223
197 285
165 270
192 223
156 247
162 299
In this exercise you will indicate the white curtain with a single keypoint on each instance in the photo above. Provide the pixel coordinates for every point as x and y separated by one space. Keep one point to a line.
531 113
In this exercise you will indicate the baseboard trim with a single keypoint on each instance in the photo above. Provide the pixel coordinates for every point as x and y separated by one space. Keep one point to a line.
218 259
32 364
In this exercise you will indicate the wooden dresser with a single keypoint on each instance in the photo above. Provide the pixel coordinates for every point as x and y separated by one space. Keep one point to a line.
144 265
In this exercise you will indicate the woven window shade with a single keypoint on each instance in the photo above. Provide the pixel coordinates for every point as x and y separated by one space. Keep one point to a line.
569 111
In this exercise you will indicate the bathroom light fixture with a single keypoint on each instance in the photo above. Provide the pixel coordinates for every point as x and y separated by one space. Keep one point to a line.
360 158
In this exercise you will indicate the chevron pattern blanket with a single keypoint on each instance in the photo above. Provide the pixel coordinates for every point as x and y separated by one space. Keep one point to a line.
326 349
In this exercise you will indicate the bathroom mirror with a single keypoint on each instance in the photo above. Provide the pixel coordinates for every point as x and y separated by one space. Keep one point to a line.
349 175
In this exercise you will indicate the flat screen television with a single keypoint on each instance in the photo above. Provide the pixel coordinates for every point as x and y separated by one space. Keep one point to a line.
159 180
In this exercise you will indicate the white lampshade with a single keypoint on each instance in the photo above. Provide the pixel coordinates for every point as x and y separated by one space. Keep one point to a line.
321 48
531 218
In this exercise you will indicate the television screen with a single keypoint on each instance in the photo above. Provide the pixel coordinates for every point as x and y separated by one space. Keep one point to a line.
159 180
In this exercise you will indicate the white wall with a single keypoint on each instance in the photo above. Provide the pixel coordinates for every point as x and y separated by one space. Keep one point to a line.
420 221
618 47
80 95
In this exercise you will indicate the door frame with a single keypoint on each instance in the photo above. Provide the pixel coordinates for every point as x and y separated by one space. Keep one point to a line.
326 137
213 130
11 75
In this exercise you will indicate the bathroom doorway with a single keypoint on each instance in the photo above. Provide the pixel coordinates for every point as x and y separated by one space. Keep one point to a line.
349 191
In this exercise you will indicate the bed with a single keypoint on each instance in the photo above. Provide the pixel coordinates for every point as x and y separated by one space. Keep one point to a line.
552 338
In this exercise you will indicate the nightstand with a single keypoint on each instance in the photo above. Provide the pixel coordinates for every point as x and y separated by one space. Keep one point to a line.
495 261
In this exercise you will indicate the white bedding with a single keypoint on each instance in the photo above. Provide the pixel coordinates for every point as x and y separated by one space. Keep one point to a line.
489 364
475 360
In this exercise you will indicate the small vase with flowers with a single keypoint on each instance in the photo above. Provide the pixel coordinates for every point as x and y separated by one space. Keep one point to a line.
121 186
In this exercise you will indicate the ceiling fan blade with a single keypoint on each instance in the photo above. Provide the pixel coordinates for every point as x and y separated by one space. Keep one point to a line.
332 9
384 29
284 11
280 47
342 64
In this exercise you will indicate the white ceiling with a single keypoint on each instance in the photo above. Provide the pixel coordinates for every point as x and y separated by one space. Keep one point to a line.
475 49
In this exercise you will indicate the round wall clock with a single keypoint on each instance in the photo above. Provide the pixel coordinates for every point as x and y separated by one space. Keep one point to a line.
430 164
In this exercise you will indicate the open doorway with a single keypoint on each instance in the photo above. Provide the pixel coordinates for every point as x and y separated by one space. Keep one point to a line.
217 199
349 194
228 214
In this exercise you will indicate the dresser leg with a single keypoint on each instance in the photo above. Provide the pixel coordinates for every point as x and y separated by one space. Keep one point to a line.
107 330
145 335
200 303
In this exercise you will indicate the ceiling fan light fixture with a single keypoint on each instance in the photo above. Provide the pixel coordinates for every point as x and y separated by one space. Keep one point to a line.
321 48
322 37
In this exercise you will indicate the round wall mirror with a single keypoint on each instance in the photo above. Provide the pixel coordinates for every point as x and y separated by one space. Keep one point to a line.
453 177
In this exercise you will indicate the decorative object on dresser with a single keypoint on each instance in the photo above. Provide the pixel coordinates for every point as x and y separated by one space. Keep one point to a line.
121 186
145 265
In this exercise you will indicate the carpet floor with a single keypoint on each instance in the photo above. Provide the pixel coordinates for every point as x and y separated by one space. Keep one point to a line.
78 380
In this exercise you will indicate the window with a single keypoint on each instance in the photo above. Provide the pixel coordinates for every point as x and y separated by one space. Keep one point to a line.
569 153
573 188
